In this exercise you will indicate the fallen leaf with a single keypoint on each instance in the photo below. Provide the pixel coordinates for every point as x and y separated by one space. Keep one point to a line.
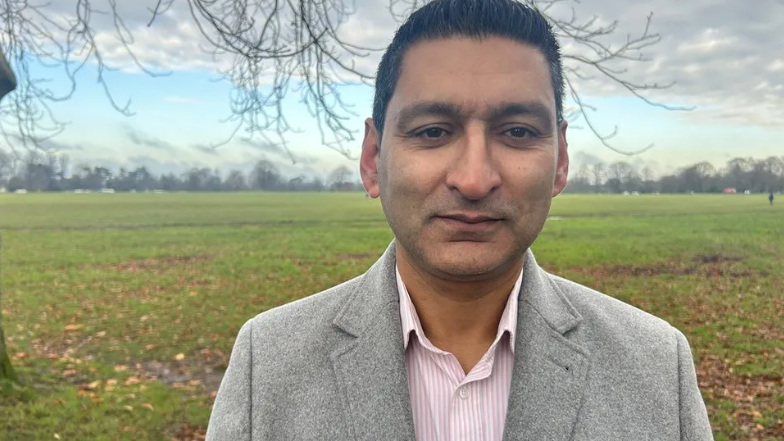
132 380
93 385
20 355
73 327
120 368
179 357
101 334
148 406
56 436
69 372
128 408
150 347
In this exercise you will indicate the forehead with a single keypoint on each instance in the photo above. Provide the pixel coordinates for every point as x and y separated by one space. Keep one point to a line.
474 73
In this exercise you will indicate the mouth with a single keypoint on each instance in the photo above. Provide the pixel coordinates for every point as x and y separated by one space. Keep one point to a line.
469 226
469 218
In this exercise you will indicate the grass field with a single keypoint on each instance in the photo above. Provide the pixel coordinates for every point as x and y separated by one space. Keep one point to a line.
121 310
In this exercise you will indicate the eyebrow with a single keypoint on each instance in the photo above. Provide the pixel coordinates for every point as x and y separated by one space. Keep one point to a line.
453 111
428 108
534 109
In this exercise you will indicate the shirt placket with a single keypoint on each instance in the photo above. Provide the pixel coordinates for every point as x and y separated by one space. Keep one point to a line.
463 422
465 410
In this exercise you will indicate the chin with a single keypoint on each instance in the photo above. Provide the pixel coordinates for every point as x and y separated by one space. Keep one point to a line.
467 260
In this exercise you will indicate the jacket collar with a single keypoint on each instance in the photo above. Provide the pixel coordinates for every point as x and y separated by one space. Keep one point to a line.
547 379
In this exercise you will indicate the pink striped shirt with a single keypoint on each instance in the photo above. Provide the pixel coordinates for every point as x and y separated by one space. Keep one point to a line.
447 404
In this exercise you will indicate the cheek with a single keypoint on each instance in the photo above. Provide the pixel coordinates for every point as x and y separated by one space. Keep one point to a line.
410 175
533 179
396 186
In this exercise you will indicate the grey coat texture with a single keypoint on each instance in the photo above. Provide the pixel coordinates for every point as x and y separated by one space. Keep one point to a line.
332 367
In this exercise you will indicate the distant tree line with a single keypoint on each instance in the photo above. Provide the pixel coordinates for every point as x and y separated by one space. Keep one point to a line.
740 174
37 171
51 172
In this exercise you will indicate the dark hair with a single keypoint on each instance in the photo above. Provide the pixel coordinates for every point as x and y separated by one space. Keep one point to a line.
442 19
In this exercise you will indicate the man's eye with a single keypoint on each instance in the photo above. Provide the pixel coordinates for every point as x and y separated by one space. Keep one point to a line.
520 132
432 133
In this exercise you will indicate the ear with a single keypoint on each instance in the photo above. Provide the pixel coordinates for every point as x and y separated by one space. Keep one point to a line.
368 161
562 164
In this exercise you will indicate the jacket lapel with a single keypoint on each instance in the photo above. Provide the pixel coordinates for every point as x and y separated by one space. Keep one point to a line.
550 371
370 364
547 380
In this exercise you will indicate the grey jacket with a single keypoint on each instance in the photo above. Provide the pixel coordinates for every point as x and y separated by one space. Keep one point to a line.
331 367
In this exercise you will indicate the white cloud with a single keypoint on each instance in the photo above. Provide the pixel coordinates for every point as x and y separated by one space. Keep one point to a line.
776 66
717 52
724 55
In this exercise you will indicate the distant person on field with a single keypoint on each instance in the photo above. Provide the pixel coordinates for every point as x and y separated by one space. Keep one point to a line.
456 333
770 198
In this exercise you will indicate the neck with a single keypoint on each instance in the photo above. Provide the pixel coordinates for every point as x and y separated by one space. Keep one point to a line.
458 316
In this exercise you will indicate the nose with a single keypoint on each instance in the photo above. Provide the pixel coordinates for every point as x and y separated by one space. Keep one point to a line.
474 173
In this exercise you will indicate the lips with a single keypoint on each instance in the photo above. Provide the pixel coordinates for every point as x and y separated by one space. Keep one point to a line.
471 218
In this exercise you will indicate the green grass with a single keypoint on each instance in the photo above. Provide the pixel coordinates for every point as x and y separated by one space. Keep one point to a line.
141 278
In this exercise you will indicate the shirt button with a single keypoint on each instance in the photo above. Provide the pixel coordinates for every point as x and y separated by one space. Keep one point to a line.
464 393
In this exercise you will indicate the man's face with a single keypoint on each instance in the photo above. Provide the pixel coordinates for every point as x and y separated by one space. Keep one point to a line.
471 156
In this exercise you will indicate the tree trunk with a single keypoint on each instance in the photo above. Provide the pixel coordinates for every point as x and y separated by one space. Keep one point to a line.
6 370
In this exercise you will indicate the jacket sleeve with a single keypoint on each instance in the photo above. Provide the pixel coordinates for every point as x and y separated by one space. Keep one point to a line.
231 414
695 425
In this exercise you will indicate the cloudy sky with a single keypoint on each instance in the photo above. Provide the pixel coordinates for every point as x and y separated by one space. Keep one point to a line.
725 56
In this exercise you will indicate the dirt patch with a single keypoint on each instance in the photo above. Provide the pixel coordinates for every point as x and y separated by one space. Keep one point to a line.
202 371
186 432
157 264
715 265
182 374
753 396
715 258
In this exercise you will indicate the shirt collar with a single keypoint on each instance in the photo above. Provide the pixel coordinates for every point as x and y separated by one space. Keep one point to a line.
410 319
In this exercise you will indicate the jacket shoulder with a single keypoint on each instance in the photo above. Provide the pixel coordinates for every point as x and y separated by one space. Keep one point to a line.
608 316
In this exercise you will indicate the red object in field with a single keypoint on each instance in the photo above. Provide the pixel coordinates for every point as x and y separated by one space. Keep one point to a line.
730 190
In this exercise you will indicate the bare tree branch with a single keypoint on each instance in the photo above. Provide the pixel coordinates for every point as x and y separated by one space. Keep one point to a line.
269 49
593 53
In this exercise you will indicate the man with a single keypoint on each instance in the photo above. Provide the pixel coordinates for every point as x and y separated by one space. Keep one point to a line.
770 198
456 333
